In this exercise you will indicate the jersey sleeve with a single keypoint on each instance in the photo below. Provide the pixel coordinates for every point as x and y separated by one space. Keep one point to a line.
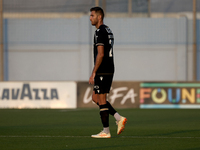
100 37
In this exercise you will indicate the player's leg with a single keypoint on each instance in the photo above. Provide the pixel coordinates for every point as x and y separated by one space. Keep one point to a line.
99 97
121 121
104 114
105 83
102 85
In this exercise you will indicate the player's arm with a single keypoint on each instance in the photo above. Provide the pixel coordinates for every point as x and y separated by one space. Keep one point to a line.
99 59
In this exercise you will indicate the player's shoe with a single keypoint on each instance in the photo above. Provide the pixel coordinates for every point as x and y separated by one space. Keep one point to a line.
121 125
101 135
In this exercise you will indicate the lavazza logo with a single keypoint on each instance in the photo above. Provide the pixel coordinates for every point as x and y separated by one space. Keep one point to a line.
26 92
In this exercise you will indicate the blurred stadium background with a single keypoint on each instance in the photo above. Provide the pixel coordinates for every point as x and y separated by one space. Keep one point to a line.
48 40
52 40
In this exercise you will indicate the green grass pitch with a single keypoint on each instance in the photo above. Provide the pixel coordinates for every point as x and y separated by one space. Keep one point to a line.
70 129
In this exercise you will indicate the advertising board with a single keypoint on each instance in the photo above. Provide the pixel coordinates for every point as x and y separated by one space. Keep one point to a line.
169 95
122 95
38 94
63 95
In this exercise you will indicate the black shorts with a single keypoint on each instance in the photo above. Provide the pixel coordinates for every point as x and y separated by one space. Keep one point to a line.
102 83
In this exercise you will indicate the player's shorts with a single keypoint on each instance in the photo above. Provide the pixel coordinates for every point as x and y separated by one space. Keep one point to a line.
102 83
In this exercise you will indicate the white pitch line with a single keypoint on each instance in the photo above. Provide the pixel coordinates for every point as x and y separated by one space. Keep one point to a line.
158 137
134 137
41 136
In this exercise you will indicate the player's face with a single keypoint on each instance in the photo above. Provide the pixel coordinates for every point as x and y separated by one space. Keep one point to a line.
93 18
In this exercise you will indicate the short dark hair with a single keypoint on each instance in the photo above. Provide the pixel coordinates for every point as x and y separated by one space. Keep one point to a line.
98 10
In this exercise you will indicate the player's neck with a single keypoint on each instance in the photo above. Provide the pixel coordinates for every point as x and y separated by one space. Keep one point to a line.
99 24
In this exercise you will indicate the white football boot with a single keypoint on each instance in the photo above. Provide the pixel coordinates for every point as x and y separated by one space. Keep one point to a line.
102 134
121 125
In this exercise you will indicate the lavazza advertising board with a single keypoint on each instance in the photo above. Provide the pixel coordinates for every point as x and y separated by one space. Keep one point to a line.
38 95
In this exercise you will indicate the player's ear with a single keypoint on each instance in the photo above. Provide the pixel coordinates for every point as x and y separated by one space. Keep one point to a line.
99 17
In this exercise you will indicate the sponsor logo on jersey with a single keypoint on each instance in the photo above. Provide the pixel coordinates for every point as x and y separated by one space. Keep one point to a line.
101 78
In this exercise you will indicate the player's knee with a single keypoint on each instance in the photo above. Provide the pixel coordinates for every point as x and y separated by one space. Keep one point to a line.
94 99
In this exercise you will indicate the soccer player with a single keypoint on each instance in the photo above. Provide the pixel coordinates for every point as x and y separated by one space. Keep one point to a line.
103 71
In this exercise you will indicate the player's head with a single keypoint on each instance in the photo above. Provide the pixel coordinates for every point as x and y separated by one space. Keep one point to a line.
96 15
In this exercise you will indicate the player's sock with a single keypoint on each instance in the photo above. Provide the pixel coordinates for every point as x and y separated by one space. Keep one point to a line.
117 116
112 111
106 130
104 113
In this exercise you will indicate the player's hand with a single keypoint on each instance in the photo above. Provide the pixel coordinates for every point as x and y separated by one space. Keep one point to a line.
91 80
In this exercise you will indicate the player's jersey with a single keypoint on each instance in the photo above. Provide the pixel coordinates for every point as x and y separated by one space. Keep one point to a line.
104 36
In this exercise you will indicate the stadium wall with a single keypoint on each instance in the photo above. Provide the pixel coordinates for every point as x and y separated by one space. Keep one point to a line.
60 49
198 49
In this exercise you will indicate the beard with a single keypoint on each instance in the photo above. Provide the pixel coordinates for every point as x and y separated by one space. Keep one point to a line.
94 22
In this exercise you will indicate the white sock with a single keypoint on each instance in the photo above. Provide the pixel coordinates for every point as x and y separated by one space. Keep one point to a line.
106 130
117 116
